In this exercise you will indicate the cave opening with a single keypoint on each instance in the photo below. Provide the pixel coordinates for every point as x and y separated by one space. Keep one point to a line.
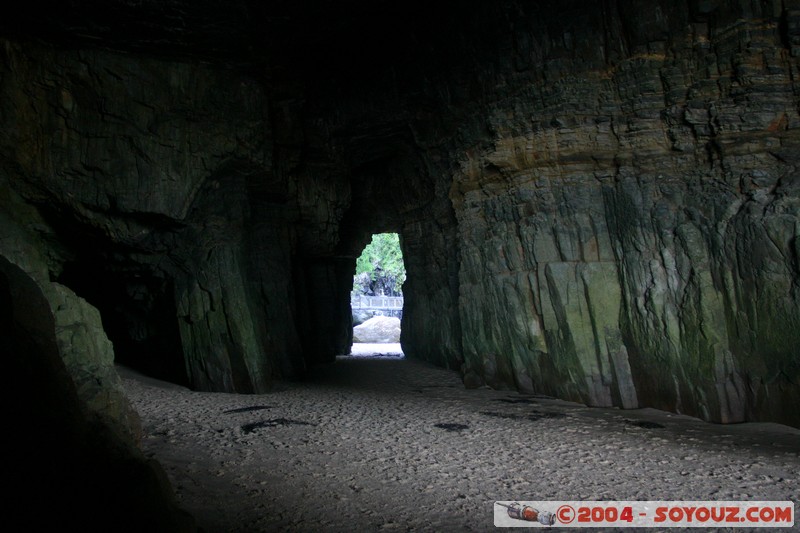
376 299
138 312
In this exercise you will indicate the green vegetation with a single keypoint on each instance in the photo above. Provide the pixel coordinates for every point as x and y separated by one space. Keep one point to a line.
380 270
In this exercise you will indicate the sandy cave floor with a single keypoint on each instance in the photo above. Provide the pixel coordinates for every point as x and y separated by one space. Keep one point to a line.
395 444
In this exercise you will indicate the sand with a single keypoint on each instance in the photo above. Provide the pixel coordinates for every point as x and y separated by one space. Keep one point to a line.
365 349
392 444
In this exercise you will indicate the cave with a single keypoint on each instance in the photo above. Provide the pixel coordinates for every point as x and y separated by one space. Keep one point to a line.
598 204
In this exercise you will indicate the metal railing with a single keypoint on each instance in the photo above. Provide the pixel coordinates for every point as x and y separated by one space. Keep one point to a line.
376 302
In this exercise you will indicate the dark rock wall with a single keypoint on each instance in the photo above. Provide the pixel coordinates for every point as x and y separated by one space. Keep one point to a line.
596 200
628 223
147 170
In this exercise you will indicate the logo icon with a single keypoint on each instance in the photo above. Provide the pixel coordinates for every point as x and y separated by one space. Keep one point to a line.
525 512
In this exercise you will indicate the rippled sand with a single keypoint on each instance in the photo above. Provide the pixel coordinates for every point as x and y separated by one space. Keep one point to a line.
395 444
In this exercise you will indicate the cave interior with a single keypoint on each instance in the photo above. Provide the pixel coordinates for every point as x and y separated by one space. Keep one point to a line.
599 202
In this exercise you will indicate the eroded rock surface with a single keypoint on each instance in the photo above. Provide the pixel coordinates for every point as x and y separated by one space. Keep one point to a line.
623 234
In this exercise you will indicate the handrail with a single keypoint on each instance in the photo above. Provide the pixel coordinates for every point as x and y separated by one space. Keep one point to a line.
376 302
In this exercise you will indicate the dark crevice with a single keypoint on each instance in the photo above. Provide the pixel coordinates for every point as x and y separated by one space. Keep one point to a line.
452 427
248 409
273 422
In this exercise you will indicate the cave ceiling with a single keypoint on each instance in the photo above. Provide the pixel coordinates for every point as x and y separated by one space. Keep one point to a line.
275 40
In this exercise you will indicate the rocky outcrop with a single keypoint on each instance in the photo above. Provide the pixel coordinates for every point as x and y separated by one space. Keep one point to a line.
379 329
597 202
72 465
89 358
80 340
